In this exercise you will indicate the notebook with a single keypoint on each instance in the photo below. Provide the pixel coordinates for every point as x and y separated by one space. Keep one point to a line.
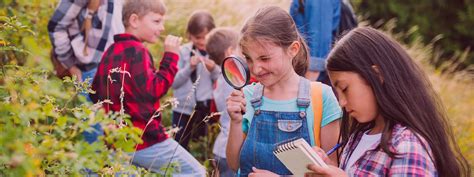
296 155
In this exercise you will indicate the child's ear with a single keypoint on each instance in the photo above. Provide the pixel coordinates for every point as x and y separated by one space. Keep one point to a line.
378 73
133 21
228 52
294 48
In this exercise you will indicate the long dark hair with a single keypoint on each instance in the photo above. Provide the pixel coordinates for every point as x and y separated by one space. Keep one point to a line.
404 97
274 24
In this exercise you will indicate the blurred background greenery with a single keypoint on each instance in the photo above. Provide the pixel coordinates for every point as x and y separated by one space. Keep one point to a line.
437 33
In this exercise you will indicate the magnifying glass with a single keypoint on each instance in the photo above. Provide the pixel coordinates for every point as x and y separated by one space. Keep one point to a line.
236 72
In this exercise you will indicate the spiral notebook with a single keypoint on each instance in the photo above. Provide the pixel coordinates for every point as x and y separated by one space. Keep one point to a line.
296 155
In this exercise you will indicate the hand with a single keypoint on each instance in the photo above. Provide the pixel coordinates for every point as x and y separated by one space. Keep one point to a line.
265 173
236 106
331 171
75 71
172 44
210 64
323 155
312 75
194 61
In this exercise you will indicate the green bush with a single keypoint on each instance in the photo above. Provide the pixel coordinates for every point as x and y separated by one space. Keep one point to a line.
449 23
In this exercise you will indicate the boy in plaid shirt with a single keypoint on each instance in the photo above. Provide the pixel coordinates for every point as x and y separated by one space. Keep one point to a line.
143 85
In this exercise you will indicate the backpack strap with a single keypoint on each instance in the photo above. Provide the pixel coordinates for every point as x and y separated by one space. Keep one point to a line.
317 100
256 99
303 100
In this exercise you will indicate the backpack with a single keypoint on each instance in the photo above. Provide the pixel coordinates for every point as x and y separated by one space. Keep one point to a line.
347 20
317 102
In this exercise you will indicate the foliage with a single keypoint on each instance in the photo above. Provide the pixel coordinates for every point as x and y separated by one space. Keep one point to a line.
42 121
23 26
450 23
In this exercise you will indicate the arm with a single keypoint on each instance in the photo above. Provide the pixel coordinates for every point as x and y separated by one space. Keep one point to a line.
236 104
215 73
234 144
330 122
64 16
185 69
161 81
183 76
329 140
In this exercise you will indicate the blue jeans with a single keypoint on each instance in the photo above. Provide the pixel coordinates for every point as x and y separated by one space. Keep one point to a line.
224 169
97 130
157 157
85 75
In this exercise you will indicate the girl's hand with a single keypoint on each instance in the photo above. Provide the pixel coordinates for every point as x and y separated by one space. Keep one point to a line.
264 173
323 155
236 106
318 171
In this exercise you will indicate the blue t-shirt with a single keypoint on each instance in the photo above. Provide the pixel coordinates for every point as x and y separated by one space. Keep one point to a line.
331 109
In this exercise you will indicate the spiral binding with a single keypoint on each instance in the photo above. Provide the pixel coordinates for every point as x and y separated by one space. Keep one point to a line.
285 147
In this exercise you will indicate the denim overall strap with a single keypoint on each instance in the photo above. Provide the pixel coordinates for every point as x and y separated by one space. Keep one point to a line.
268 129
256 100
304 98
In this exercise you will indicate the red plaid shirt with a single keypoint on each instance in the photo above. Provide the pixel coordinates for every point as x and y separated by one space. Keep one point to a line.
143 86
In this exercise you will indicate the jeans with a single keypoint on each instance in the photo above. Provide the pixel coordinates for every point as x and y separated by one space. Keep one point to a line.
97 131
157 157
224 169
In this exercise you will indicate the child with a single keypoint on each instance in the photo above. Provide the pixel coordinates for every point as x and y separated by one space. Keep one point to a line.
278 108
142 85
400 128
194 64
222 42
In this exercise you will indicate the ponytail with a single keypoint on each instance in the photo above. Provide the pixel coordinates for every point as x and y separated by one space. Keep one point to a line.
301 60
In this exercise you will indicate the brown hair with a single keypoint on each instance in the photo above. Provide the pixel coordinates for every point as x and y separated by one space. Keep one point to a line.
218 41
275 25
199 22
141 8
404 97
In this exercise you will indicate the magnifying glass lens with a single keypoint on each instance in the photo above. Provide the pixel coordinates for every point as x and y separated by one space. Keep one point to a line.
235 72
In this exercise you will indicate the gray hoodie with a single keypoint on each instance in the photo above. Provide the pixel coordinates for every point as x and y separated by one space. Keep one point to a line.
183 86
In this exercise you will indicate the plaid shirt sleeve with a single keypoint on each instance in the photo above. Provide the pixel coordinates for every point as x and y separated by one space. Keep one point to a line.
413 158
158 82
64 16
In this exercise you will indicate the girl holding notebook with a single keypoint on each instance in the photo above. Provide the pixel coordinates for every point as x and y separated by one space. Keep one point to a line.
279 107
394 124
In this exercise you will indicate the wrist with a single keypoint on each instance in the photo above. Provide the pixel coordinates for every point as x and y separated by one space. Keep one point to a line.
89 14
236 122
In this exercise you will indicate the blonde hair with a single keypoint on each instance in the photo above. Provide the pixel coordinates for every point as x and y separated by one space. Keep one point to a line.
141 8
274 24
218 41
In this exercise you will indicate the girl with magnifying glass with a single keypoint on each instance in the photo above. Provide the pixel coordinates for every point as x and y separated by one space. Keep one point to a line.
278 108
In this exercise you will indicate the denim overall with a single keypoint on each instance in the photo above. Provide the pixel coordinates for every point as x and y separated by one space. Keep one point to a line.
270 128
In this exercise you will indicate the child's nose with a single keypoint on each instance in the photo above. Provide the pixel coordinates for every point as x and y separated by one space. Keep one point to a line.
257 69
342 102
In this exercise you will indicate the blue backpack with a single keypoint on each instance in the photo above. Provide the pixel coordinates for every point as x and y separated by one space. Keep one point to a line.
347 20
